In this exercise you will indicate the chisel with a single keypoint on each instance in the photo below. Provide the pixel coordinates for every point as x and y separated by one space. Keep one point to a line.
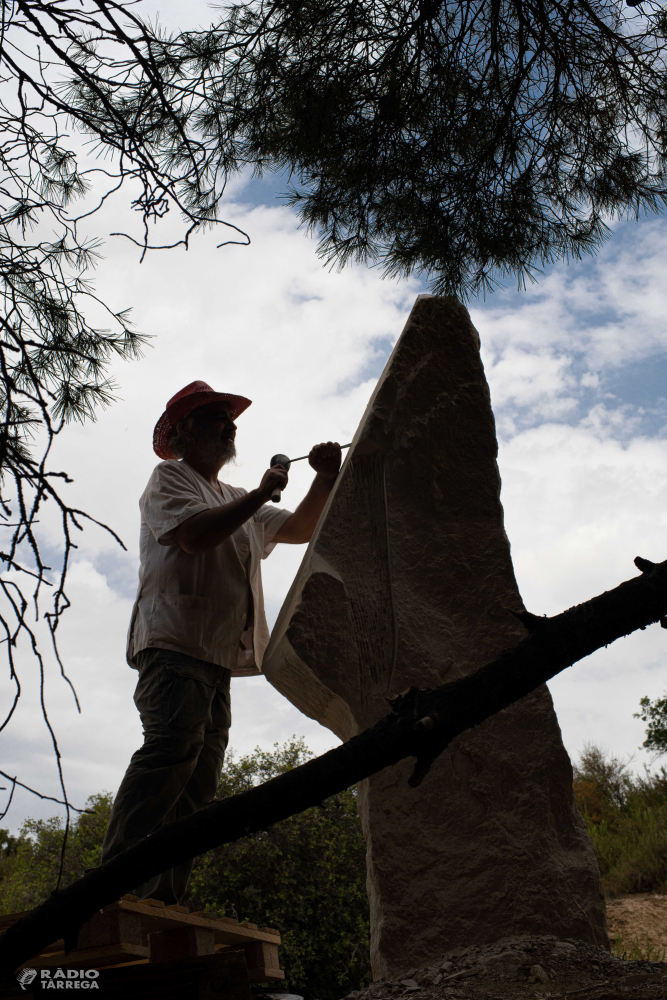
286 462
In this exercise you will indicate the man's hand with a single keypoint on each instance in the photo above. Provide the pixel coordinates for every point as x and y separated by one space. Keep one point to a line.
299 528
275 478
325 459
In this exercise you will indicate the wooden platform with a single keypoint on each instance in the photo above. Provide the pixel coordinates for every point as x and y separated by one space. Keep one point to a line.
138 932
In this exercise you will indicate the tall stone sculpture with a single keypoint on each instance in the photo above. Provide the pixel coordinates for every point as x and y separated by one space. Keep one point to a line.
409 580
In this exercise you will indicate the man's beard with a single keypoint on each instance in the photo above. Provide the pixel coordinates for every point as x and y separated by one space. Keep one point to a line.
223 450
213 450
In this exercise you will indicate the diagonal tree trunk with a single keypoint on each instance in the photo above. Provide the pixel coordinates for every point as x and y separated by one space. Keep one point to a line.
422 723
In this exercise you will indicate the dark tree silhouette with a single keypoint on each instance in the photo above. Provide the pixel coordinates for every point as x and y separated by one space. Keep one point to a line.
464 139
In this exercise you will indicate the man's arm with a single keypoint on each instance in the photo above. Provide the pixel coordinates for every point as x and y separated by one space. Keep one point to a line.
299 527
209 528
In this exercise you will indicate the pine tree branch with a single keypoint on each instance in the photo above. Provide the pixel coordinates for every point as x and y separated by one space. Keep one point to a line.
422 724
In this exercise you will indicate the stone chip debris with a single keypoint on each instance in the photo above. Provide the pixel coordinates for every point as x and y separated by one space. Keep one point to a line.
538 975
530 967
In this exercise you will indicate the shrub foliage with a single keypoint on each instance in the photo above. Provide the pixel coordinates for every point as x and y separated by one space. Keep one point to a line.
29 869
655 714
306 876
626 816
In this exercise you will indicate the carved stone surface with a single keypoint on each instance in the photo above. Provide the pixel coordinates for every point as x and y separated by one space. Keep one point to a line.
407 581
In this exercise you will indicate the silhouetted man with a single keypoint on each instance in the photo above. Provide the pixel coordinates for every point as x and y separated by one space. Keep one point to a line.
199 617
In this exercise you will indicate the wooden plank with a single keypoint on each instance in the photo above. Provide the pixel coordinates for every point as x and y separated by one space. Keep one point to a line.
262 960
259 954
91 958
110 927
261 967
157 917
227 931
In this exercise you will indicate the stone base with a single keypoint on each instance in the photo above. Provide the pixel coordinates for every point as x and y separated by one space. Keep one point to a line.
491 844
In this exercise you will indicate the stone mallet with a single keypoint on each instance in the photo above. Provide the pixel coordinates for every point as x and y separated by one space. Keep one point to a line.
286 462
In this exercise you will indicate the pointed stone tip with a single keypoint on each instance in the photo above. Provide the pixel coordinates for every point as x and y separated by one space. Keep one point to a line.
644 565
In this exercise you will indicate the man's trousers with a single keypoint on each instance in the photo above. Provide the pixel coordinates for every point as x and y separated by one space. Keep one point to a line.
184 705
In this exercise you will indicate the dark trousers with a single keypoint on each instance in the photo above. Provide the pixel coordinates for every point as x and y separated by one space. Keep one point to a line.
185 711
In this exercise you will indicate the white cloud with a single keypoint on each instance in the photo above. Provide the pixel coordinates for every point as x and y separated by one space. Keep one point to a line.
589 380
584 335
611 308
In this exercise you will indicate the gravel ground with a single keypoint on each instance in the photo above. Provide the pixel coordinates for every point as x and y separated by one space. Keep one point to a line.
527 967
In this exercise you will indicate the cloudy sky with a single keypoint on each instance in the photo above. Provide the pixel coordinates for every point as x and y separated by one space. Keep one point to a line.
577 367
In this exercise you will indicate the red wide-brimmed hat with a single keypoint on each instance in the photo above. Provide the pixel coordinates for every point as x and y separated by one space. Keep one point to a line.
188 399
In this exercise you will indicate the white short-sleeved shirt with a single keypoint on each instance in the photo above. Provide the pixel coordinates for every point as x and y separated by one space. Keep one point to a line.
198 604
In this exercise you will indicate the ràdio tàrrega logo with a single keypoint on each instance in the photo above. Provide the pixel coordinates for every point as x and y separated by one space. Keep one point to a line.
61 979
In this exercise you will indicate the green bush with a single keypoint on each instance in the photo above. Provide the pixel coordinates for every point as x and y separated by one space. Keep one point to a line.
626 816
8 849
654 713
34 858
306 876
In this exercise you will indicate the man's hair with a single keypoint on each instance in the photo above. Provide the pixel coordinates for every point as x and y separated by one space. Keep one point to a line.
178 439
